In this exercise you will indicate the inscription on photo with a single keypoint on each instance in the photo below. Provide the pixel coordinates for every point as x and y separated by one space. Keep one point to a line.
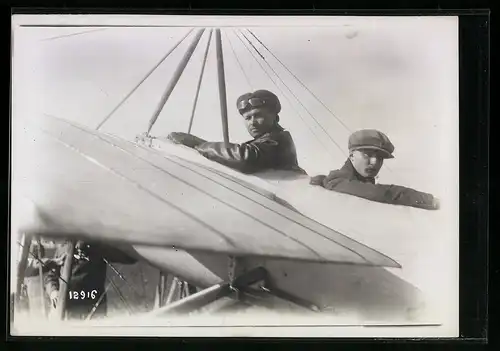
83 295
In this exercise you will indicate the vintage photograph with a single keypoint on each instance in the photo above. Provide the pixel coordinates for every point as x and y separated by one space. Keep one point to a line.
234 176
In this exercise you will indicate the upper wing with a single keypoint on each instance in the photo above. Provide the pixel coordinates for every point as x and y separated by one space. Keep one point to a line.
88 184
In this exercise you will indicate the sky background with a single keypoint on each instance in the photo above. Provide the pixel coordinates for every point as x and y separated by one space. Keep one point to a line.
397 75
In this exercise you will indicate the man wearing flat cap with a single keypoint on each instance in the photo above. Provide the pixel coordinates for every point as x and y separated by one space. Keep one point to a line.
368 149
271 147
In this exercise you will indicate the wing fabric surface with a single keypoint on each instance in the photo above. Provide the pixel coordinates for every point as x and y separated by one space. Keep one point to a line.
88 184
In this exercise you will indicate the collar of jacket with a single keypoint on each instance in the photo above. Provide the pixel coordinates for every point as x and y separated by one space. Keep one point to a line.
349 169
277 129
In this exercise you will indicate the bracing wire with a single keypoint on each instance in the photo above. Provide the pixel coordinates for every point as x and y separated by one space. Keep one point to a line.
238 61
277 87
284 95
143 79
40 261
300 82
311 92
199 81
319 124
120 295
118 273
295 96
74 34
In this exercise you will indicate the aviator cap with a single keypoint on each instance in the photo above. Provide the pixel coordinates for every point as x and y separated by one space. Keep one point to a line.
371 139
259 98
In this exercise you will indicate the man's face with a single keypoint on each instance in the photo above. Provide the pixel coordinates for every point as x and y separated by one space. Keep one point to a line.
367 162
259 121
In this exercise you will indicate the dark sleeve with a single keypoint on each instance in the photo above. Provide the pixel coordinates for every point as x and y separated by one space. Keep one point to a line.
246 158
390 194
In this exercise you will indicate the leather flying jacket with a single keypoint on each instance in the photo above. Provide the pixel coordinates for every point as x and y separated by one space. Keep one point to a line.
273 150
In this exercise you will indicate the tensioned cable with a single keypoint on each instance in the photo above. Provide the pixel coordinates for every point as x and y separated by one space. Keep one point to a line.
143 79
300 82
73 34
120 295
40 261
286 97
312 116
311 92
199 81
120 275
295 96
238 60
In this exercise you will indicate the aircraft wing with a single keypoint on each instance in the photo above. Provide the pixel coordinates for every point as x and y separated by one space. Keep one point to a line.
86 184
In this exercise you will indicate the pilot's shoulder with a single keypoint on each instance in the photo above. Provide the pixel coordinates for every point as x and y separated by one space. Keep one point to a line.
337 173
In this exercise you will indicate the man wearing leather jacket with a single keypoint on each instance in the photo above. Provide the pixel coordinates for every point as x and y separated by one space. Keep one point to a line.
271 147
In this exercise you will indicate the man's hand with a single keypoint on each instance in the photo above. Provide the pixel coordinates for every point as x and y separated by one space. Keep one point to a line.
185 139
317 180
436 204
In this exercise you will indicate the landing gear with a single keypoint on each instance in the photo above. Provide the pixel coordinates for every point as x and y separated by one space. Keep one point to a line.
251 288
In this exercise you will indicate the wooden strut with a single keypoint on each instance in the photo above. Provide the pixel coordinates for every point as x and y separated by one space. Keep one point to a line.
173 82
222 86
40 273
142 80
21 268
96 305
63 286
172 290
195 102
160 290
239 288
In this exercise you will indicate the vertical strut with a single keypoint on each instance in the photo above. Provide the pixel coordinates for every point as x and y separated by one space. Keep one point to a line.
21 268
171 292
63 283
199 82
222 86
177 75
40 273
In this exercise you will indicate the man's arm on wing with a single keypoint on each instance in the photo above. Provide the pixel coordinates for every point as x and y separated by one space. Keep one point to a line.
247 158
390 194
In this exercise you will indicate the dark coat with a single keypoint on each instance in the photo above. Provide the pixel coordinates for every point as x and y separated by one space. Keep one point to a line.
346 180
273 150
86 276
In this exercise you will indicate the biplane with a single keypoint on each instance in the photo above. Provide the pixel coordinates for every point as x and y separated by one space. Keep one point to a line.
267 239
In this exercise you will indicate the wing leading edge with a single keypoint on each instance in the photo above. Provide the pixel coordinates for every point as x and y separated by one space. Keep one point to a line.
92 185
